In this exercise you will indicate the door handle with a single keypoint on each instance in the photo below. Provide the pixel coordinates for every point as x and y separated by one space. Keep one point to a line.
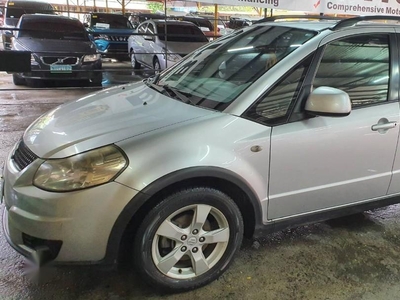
383 125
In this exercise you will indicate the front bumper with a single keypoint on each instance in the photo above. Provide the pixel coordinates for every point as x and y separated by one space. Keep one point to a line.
88 71
75 226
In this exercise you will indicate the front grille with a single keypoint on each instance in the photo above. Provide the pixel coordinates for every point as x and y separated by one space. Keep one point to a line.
115 38
49 60
23 157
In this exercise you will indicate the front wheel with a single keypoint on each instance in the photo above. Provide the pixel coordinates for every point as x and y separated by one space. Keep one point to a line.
156 65
134 62
188 240
17 80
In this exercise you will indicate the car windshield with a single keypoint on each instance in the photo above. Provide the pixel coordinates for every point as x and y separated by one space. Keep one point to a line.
52 29
17 12
111 22
215 75
181 33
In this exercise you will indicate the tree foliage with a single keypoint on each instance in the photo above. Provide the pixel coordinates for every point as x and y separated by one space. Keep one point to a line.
155 6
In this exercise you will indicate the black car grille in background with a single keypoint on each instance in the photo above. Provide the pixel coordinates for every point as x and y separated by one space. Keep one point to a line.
23 157
115 38
49 60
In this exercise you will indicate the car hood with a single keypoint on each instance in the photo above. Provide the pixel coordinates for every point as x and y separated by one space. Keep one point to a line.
183 47
46 45
104 118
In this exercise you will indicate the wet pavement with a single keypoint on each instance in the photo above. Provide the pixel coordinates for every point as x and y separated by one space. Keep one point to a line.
356 257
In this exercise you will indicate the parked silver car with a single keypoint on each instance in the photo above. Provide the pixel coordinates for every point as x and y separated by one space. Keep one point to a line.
273 126
158 47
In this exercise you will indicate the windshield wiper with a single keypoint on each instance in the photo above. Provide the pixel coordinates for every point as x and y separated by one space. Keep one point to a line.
170 91
175 93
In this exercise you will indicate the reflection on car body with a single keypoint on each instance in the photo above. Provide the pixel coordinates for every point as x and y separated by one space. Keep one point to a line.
60 47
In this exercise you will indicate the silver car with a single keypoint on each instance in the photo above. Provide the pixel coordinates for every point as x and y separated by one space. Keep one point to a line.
276 125
158 47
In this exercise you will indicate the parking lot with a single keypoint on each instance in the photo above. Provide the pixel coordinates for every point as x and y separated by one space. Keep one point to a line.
356 257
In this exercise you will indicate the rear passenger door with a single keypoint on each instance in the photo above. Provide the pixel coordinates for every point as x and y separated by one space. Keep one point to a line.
319 163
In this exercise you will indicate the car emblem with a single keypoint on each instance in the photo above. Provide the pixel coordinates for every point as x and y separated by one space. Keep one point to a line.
192 241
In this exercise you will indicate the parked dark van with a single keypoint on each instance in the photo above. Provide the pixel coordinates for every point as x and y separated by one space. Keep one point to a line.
14 9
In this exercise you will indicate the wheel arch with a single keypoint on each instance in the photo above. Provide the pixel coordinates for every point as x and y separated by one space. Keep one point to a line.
226 181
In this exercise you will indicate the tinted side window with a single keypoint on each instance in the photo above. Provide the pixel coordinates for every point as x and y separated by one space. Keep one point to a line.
358 65
150 29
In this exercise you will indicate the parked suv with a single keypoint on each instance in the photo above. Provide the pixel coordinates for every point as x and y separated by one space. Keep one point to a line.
273 126
110 33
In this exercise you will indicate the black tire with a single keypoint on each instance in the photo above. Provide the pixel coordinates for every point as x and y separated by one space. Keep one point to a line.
96 81
156 65
134 62
219 254
17 80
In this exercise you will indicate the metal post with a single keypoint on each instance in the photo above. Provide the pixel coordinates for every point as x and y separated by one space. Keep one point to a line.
94 6
107 6
215 20
123 7
165 33
68 7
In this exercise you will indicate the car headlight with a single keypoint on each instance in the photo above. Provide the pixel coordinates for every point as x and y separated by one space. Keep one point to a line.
81 171
91 57
173 57
33 60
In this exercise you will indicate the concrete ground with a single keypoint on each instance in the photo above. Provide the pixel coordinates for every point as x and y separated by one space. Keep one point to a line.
356 257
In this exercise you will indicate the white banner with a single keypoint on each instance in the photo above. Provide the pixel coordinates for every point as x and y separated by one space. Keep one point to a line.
346 7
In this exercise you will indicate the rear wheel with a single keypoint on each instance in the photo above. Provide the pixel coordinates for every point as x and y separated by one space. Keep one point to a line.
188 240
17 80
134 62
156 65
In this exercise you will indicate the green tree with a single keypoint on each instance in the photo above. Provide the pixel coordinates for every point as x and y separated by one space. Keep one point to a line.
155 6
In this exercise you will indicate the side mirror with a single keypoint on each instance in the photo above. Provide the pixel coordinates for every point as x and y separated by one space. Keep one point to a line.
9 33
328 101
86 25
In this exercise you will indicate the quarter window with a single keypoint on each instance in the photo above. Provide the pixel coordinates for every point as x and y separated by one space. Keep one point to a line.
358 65
275 105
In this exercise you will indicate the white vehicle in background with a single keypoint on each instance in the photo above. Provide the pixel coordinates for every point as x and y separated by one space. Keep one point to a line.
150 47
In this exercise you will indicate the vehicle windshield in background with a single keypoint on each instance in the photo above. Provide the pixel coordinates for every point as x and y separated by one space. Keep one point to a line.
215 75
52 30
17 12
111 22
181 33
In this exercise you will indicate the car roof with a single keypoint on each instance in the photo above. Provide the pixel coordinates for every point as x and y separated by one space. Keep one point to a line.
172 22
307 25
320 23
46 16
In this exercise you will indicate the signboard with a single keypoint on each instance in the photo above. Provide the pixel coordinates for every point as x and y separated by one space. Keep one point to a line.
346 7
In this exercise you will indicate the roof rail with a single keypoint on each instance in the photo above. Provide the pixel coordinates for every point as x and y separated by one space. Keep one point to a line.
352 21
282 17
